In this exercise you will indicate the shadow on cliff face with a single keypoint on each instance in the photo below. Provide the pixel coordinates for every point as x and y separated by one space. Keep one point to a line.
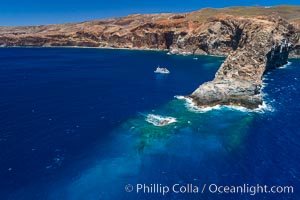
277 56
169 37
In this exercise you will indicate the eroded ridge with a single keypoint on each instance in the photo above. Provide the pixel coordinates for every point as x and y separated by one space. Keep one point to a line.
264 44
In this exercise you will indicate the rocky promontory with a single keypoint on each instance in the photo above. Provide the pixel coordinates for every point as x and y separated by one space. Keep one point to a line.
254 40
263 44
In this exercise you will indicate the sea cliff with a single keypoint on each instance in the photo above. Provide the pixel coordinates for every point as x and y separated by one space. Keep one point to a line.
263 44
254 39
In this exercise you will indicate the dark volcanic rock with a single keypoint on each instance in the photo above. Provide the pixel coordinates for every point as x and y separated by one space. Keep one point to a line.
255 39
263 45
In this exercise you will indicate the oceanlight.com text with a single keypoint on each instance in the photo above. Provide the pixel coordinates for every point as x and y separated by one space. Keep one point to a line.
177 188
250 189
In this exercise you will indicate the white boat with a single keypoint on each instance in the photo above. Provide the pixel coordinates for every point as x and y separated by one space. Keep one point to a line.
162 70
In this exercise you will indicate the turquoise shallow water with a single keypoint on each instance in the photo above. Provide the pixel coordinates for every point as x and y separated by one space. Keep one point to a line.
87 136
188 151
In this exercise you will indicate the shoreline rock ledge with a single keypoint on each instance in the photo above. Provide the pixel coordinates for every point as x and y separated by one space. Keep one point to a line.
264 44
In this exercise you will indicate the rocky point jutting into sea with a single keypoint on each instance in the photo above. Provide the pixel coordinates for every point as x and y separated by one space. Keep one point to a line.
254 39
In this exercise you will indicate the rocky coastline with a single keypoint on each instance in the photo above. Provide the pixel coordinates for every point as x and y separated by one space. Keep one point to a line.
252 43
238 81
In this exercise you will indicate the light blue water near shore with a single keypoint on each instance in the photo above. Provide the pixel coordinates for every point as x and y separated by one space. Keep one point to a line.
73 127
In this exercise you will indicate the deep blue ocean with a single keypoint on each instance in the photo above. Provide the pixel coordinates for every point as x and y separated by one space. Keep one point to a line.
73 127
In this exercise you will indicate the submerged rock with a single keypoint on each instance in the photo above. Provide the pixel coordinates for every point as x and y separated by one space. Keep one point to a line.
158 120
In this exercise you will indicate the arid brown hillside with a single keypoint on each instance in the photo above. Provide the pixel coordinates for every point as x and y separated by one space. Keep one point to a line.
205 31
254 39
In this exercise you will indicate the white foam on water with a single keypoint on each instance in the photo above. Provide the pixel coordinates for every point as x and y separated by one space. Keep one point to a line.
263 85
265 78
158 120
179 97
191 106
286 65
264 108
